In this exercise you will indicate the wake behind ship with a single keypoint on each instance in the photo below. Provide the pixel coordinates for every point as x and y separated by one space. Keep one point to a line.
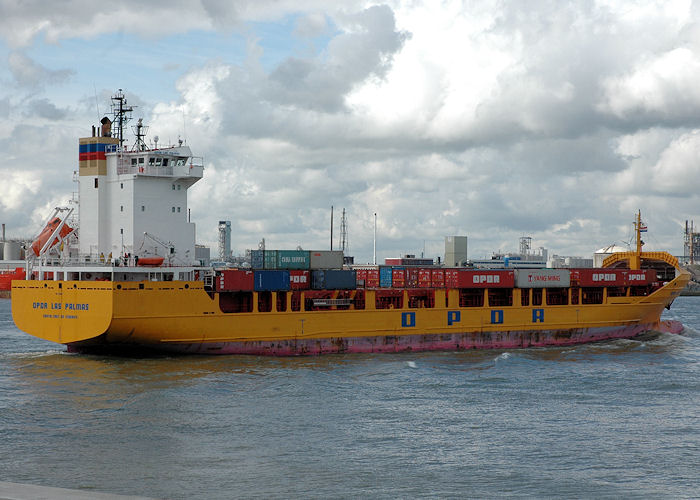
122 275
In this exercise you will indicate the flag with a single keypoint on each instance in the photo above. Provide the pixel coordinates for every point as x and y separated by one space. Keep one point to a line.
642 228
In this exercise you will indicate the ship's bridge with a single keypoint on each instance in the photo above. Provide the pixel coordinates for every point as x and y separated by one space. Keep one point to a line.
176 161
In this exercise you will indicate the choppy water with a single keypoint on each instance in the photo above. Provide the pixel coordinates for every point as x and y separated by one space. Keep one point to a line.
615 419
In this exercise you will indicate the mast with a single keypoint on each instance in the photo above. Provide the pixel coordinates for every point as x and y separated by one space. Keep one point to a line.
122 114
639 228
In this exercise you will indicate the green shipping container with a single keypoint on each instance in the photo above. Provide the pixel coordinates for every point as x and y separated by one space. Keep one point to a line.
270 259
293 259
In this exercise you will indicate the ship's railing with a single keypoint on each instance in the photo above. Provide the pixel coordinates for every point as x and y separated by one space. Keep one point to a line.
192 167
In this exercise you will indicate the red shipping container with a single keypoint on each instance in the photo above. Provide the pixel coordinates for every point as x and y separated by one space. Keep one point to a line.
451 278
361 274
299 280
393 261
486 279
234 280
437 277
398 278
372 279
599 277
424 278
641 277
412 277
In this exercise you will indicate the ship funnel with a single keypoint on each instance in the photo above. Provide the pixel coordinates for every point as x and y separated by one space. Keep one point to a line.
106 127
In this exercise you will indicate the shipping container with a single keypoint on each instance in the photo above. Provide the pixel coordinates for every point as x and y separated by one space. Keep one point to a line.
641 277
485 279
270 259
372 279
299 280
257 259
385 277
234 280
451 278
333 279
326 259
424 278
392 261
293 259
542 278
361 275
398 277
271 280
437 278
599 277
411 277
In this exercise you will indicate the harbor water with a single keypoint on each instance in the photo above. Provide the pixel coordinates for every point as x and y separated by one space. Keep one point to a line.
617 419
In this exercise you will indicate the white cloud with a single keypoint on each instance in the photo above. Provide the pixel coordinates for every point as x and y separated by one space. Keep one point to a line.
556 120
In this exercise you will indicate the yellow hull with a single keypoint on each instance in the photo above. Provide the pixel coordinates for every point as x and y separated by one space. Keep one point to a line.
183 316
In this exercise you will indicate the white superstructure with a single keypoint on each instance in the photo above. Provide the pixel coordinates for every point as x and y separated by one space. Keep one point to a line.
134 203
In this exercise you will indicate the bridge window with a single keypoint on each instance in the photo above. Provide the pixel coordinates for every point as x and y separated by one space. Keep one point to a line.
133 161
165 162
524 296
574 296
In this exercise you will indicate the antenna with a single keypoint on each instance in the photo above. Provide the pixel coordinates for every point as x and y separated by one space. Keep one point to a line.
331 228
184 131
344 233
122 114
375 238
140 131
97 103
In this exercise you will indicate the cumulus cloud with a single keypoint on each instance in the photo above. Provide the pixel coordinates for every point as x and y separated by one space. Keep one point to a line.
29 73
555 120
43 108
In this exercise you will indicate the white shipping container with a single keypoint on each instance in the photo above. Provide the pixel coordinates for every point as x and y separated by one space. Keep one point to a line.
542 278
326 259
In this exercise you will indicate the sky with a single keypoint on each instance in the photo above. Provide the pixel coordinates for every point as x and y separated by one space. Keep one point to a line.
557 120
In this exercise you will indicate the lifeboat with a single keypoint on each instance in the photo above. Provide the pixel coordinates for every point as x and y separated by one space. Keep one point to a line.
150 261
47 232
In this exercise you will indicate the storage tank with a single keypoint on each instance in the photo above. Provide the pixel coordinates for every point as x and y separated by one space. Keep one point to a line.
12 250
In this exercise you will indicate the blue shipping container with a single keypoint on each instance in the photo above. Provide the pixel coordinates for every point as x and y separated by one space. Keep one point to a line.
333 279
257 261
267 281
385 276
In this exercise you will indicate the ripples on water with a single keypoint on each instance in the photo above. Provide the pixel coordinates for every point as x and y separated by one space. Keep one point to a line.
614 419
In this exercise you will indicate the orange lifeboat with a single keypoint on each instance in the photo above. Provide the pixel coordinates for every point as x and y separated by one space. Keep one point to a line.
46 234
150 261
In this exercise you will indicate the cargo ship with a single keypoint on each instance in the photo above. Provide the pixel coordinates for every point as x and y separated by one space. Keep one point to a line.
124 277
